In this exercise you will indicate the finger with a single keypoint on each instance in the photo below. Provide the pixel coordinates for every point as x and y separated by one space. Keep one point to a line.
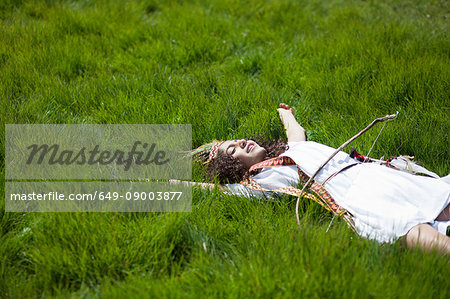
292 110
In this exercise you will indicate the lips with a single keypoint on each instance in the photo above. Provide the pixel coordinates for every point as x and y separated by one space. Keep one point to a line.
250 147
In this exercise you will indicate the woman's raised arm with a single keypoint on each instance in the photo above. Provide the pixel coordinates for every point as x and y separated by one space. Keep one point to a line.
294 131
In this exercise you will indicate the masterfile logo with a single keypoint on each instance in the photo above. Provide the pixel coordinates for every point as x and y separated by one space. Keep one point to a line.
94 156
116 152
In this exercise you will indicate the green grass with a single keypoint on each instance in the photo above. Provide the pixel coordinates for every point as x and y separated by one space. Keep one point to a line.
224 66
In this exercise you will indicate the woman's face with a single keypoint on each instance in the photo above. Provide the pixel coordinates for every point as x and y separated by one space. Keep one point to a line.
247 151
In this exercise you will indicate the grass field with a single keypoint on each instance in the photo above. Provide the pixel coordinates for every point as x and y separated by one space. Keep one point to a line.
224 66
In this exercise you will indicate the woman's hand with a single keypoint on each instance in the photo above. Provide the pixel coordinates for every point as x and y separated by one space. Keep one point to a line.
294 131
285 107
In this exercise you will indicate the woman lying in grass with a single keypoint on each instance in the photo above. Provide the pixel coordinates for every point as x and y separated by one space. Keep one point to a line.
383 203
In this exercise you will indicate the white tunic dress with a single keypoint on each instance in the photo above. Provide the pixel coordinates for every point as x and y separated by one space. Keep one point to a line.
385 203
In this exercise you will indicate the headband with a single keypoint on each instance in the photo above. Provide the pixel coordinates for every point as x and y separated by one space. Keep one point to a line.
214 150
208 151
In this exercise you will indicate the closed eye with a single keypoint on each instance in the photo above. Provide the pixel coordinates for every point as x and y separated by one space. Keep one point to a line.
231 146
231 152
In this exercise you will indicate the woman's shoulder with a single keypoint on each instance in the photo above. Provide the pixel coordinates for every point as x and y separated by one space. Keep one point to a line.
304 145
295 143
307 152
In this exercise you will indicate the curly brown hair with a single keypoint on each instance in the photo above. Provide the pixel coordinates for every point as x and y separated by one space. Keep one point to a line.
231 170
